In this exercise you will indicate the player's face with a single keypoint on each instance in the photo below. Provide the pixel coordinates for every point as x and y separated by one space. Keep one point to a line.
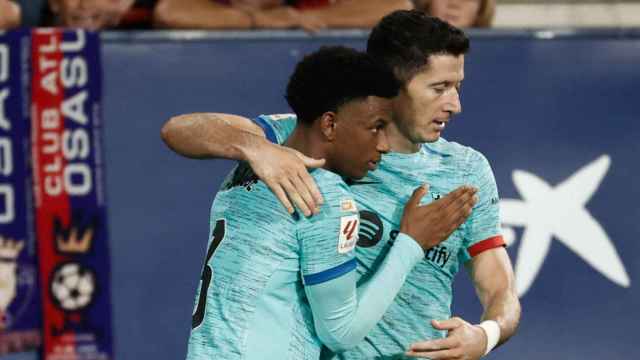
360 136
427 101
459 13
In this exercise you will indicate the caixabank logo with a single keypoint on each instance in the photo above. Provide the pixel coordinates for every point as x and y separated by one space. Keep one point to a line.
547 213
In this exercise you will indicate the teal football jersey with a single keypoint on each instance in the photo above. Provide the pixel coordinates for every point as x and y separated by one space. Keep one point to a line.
427 292
251 302
271 280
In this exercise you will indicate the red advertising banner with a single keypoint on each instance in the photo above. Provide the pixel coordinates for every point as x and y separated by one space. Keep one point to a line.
69 200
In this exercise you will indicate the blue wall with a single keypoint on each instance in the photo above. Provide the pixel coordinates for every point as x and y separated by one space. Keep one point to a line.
545 105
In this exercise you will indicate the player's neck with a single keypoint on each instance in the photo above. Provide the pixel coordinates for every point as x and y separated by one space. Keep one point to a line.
398 142
307 142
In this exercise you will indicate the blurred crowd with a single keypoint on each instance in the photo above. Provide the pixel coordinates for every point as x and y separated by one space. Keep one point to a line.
310 15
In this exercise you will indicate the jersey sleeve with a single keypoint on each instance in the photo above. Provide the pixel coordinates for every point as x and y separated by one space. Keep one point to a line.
278 127
343 313
327 240
482 230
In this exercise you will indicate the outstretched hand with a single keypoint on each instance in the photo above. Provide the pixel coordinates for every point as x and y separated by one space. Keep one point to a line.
464 341
284 171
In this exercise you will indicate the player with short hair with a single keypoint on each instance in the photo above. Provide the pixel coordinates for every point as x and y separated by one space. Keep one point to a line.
427 55
276 285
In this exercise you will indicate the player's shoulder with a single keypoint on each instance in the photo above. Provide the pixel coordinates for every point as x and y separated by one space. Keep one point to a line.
244 197
241 175
278 117
243 185
338 198
329 182
457 154
276 127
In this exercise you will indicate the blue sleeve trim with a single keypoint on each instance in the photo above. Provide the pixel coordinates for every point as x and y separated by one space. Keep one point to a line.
267 128
331 274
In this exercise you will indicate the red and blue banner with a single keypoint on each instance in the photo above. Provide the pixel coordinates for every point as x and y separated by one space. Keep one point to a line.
20 316
70 212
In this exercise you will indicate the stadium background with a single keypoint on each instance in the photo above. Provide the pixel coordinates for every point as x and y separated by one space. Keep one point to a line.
548 103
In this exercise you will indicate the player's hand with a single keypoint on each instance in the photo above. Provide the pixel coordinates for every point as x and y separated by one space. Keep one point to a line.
432 224
284 171
464 341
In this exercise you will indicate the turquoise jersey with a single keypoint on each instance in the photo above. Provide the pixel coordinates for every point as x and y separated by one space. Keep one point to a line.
274 285
253 305
427 292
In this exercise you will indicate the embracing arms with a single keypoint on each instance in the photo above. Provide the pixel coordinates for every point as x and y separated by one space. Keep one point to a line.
343 312
215 135
492 275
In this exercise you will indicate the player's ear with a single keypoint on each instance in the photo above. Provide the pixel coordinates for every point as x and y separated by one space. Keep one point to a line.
328 125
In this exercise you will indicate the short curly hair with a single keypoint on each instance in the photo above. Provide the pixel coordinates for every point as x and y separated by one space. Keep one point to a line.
332 76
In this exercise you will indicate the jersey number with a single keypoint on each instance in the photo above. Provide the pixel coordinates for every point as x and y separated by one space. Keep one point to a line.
207 273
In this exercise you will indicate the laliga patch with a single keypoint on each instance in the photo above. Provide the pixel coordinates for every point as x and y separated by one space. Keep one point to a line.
348 205
349 226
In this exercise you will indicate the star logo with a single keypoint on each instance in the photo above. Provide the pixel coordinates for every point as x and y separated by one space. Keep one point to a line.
560 213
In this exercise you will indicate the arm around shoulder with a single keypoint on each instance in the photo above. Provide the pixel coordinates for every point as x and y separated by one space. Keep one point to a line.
227 136
344 313
211 135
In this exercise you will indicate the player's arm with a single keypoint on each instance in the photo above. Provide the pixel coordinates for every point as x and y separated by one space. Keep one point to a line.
216 135
493 278
357 13
343 313
492 275
490 267
200 14
213 135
